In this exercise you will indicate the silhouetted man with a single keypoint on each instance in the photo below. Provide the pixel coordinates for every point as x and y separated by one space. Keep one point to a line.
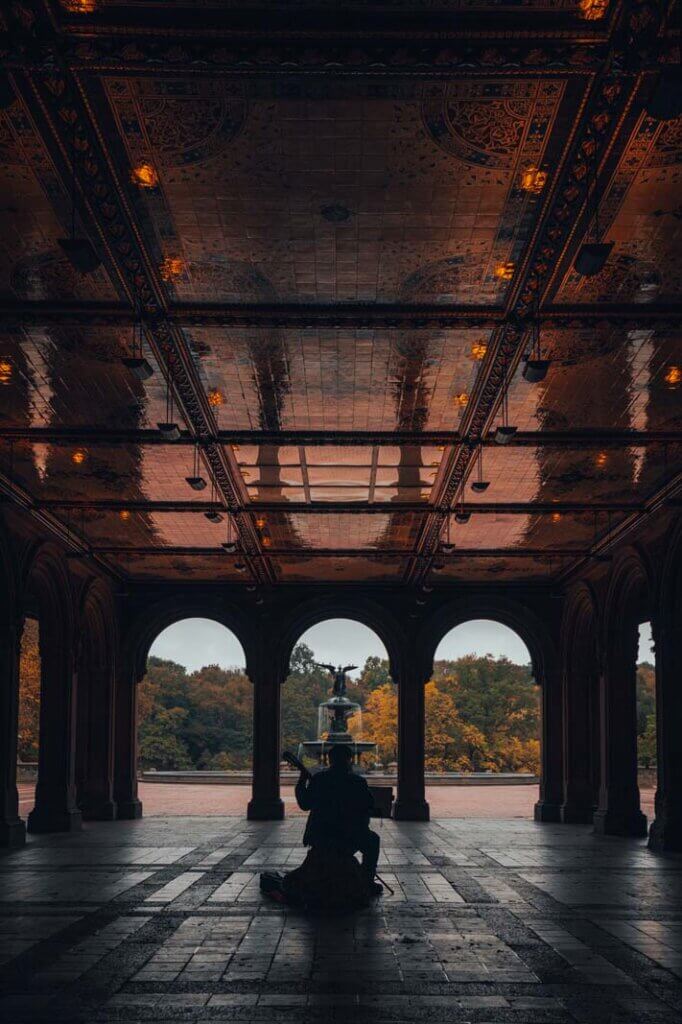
340 803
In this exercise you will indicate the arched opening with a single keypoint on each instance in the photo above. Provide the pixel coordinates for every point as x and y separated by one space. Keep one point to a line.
320 707
28 734
482 724
195 715
647 738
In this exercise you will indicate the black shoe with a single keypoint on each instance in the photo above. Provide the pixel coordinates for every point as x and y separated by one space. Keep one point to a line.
376 889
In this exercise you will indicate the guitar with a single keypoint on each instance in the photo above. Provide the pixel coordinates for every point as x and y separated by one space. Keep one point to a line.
296 763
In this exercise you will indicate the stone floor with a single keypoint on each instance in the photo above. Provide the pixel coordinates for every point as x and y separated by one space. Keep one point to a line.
505 921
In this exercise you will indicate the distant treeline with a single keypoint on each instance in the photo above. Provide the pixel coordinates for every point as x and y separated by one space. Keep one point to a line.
482 713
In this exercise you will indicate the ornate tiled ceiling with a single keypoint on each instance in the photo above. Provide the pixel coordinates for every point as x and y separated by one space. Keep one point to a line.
328 243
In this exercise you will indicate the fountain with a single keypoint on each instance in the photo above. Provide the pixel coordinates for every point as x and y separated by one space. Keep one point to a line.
334 716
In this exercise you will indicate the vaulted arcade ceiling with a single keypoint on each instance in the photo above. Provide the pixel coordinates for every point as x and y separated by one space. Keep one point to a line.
334 232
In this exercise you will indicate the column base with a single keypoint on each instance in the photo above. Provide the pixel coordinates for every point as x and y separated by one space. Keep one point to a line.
47 819
665 834
100 810
128 810
576 814
12 833
620 823
265 810
545 810
411 810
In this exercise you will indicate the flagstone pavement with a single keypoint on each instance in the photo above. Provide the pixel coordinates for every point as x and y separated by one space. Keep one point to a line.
490 922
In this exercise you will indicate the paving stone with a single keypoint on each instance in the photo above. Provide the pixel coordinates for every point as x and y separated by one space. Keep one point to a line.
491 923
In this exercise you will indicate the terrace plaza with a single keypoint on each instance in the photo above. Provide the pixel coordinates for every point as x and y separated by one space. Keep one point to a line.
363 310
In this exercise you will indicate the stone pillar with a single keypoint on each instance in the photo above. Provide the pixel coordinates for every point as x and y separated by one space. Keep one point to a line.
55 806
666 830
96 742
265 803
619 811
12 828
411 676
128 805
578 682
548 807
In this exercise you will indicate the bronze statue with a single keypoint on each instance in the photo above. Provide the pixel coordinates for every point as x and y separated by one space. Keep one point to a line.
339 676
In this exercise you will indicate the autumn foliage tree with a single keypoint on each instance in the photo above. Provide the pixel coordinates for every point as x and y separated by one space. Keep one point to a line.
29 693
481 714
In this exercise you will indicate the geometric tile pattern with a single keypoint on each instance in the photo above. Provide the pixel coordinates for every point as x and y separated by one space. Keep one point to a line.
504 922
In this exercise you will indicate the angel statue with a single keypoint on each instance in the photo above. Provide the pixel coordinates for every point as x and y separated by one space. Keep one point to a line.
339 676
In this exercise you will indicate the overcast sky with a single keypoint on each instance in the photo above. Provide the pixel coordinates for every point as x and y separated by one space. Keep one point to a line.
198 642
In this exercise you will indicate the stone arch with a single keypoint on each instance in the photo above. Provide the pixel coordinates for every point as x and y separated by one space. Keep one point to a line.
513 614
311 613
153 619
630 592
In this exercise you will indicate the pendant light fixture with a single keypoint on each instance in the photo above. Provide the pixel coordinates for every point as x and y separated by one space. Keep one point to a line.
169 428
214 515
230 543
77 249
446 546
480 485
592 256
196 481
504 432
535 367
461 516
138 365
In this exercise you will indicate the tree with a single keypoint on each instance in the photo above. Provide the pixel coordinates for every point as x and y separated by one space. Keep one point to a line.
161 743
29 693
646 743
380 722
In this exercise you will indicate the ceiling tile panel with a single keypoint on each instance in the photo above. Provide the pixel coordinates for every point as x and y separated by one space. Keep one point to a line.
603 378
342 191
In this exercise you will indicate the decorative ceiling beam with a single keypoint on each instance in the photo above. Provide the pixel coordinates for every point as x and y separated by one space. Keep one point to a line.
663 497
103 436
339 316
345 507
597 135
371 553
437 48
74 544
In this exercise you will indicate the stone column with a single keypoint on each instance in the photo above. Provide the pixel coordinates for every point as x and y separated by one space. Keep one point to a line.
411 676
548 807
619 811
96 782
578 794
128 805
666 830
55 806
12 828
265 803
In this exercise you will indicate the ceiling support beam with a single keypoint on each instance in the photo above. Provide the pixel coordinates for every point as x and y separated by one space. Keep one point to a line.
339 316
371 553
346 507
102 436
